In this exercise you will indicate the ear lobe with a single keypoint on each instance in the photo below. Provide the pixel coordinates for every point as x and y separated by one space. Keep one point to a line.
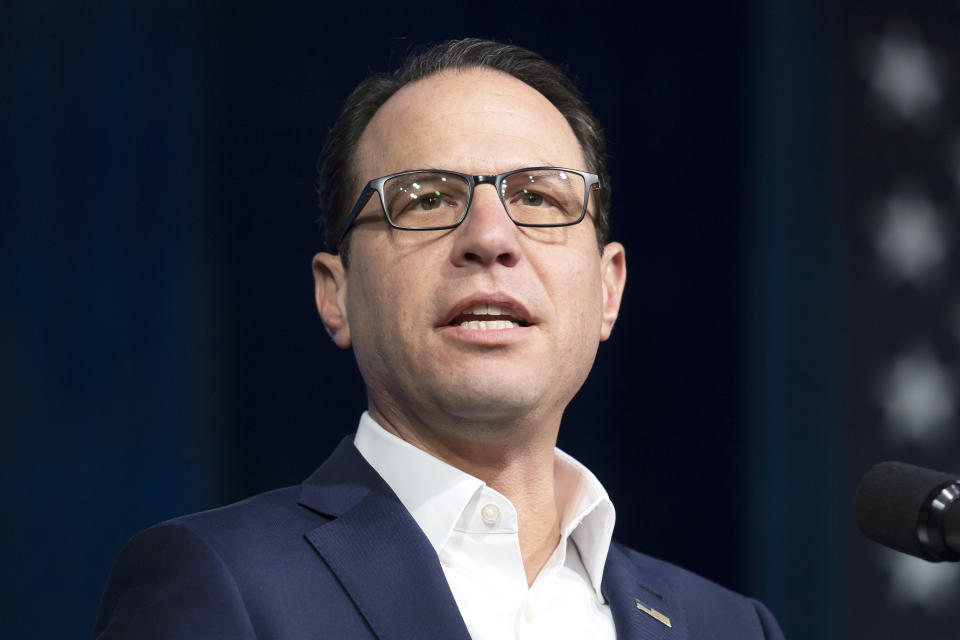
330 291
613 276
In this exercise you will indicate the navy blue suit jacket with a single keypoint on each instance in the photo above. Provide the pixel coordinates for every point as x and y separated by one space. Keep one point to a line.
340 557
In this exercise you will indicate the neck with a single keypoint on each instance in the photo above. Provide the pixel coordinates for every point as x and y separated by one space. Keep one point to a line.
518 463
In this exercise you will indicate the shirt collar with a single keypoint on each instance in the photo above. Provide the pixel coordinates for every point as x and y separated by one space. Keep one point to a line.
436 493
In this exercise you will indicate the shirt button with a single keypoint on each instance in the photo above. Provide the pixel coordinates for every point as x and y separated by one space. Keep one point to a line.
490 514
528 612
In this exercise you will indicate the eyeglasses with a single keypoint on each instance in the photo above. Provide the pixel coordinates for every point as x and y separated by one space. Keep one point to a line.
425 200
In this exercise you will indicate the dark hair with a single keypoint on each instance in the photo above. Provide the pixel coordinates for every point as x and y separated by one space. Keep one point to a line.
338 185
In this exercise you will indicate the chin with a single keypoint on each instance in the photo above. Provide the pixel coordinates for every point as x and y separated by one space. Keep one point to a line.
502 402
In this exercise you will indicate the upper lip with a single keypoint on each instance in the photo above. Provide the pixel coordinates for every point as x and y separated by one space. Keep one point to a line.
509 305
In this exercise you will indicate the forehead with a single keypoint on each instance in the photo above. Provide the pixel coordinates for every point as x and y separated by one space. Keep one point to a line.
477 121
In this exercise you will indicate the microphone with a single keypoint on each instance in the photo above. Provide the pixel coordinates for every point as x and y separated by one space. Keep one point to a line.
910 509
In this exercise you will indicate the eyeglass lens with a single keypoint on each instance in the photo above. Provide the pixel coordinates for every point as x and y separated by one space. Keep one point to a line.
438 199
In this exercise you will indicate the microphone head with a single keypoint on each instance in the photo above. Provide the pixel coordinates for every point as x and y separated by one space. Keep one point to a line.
890 501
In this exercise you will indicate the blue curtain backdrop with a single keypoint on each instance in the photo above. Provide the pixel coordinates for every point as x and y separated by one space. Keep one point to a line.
160 349
797 502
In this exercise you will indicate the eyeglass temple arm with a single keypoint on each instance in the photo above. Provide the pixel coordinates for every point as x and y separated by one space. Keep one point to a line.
361 203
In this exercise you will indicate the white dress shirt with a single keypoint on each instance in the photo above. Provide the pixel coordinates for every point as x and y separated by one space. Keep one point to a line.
474 530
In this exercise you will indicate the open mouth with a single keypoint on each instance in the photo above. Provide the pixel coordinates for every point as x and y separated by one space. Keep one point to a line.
488 317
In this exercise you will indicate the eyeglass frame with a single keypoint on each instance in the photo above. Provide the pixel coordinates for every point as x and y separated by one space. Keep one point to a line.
591 182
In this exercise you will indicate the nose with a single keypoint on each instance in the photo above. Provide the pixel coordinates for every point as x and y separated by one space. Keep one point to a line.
487 235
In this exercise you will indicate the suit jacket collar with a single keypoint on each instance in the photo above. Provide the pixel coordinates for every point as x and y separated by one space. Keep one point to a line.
377 551
385 562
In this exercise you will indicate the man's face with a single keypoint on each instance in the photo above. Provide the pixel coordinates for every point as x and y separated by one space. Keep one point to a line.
406 293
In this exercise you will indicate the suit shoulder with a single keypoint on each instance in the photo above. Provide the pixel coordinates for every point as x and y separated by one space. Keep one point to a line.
273 521
170 583
252 512
217 573
212 533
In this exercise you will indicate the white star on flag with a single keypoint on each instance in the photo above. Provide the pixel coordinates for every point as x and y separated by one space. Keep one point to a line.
918 399
931 585
911 238
904 76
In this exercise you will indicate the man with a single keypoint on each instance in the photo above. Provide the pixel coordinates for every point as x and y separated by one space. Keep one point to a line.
466 200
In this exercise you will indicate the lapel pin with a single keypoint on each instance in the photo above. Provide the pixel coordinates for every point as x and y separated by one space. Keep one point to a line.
653 613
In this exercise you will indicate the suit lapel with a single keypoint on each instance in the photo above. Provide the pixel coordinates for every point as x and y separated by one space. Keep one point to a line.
378 552
626 584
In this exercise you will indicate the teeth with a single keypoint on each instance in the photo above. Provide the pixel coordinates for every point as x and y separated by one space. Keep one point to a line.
487 325
492 311
486 310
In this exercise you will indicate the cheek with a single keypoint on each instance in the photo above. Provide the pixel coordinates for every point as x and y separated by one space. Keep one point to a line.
366 313
581 289
581 317
381 314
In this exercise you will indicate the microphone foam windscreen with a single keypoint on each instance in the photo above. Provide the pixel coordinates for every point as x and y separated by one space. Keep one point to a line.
889 500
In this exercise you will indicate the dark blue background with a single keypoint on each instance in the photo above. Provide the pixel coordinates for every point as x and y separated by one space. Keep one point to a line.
159 348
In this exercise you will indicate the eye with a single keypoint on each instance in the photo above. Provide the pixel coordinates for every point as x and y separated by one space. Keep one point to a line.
425 206
530 198
419 202
430 201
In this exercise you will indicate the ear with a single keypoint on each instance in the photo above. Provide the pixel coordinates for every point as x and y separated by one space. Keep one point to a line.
613 277
330 290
